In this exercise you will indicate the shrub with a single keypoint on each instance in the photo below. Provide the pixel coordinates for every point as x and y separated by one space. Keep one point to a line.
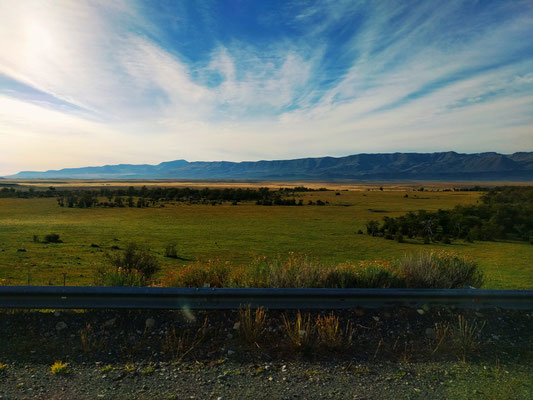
425 270
363 275
210 274
439 270
134 267
171 251
59 368
52 238
136 259
292 272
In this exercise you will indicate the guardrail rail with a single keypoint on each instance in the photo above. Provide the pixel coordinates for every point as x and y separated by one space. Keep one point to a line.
82 297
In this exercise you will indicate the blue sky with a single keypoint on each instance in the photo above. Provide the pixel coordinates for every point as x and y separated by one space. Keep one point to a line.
99 82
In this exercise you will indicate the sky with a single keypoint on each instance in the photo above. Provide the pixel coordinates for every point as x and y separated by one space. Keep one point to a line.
107 82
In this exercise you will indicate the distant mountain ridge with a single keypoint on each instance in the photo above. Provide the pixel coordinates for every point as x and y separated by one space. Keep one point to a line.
394 166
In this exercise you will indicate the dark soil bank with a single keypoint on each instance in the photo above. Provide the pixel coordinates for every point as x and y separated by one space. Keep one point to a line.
357 354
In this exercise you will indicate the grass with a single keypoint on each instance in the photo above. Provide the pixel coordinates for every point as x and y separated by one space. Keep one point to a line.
463 338
299 331
252 324
233 234
323 333
496 382
180 343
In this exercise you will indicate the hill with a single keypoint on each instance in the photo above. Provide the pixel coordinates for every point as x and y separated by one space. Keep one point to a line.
393 166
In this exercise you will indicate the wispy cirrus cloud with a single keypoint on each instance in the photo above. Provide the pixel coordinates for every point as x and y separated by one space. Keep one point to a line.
98 82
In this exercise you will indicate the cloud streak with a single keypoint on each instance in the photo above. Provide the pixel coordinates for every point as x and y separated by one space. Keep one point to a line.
87 83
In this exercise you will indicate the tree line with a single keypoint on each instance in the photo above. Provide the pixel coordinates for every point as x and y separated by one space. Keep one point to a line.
503 213
150 196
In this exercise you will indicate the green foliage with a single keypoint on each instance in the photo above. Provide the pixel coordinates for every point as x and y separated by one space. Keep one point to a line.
51 238
171 250
134 267
504 213
135 259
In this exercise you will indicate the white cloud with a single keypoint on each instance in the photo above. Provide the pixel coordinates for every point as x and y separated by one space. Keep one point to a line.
143 103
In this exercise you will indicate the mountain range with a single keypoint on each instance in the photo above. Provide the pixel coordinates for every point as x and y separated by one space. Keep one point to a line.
392 166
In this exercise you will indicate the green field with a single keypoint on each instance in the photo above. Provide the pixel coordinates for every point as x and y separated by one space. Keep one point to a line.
236 234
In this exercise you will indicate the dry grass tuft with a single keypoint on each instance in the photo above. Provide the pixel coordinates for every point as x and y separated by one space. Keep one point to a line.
179 344
252 324
299 331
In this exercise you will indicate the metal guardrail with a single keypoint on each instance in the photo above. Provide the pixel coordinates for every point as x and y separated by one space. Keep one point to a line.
81 297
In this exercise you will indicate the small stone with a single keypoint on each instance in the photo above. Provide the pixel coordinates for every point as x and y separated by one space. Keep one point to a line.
229 336
230 352
57 313
60 326
270 379
111 322
420 311
150 322
236 325
430 333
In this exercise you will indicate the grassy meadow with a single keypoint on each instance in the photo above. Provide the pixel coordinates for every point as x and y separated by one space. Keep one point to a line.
234 234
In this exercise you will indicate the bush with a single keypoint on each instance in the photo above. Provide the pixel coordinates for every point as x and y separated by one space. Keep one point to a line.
135 259
171 251
294 272
442 270
52 238
210 274
364 275
134 267
425 270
